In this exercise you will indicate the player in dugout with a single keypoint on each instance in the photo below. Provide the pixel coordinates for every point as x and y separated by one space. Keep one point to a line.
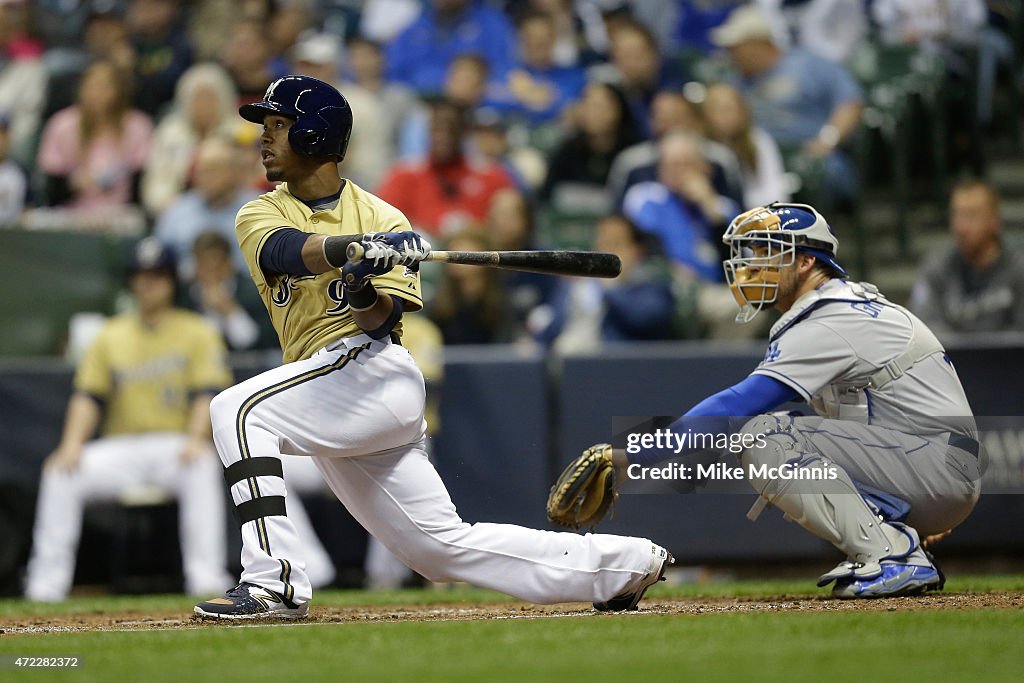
145 385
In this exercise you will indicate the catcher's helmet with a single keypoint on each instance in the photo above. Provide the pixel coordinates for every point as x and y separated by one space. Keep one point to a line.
323 118
764 241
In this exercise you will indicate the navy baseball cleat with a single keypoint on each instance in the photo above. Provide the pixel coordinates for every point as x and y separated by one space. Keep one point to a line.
249 601
628 601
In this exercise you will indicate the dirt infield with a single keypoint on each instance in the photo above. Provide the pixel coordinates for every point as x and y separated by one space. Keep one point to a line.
139 621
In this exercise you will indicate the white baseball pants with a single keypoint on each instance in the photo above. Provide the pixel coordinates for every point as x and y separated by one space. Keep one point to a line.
356 407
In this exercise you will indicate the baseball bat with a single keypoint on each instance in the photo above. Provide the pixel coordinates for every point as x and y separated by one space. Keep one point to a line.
580 263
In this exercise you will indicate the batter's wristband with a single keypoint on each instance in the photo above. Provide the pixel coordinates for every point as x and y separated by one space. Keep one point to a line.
335 247
363 298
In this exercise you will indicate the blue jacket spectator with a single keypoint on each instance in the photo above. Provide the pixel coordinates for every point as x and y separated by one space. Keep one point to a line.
419 56
682 207
537 90
696 20
636 306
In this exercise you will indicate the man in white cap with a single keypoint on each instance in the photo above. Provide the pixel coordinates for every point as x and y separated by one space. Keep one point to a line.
802 100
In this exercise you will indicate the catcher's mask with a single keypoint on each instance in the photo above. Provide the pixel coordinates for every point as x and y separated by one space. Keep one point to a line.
763 242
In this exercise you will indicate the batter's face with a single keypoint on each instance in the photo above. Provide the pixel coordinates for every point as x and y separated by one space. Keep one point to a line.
279 159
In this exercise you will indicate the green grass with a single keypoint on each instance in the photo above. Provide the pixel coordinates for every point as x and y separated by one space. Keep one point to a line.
962 644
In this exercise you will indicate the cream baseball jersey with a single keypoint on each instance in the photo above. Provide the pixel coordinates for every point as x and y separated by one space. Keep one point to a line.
147 376
308 312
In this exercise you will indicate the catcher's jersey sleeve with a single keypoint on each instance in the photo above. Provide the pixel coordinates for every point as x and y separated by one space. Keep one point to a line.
308 312
807 357
147 376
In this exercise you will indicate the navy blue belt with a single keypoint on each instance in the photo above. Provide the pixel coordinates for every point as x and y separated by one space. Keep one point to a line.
965 443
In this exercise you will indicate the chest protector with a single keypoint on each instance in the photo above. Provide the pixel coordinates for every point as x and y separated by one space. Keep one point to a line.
848 399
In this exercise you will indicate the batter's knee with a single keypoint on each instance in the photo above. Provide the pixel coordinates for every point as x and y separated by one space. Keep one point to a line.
225 405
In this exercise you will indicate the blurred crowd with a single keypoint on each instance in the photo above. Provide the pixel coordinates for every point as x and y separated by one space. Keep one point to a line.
640 127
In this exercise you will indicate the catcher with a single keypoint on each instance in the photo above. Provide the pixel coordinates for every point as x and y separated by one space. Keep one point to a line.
890 470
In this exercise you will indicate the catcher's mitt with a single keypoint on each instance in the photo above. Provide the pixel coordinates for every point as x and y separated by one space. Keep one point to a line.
585 490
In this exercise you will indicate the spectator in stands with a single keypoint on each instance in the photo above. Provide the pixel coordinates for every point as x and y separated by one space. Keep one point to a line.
682 207
23 79
145 384
317 55
419 56
511 225
220 190
378 110
807 103
833 29
225 295
638 305
578 168
581 35
93 152
447 191
696 20
382 20
163 52
205 106
470 306
104 36
246 55
537 90
729 122
976 285
13 182
671 110
489 139
465 84
641 70
288 23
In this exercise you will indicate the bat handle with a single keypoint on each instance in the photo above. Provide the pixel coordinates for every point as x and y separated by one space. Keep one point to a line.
354 251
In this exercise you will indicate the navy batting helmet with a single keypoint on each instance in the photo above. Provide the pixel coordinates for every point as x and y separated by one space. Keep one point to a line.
323 118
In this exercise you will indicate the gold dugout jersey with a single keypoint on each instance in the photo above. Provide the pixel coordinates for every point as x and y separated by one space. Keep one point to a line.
147 376
310 311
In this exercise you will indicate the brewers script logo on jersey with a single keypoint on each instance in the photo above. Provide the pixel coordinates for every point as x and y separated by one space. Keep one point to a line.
282 293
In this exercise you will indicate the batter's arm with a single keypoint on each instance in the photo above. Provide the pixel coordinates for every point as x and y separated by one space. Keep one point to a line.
80 423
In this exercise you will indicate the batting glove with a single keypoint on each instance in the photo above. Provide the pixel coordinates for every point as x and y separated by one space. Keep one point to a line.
411 247
378 258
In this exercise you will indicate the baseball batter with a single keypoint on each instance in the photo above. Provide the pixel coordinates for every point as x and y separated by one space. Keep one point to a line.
350 396
895 439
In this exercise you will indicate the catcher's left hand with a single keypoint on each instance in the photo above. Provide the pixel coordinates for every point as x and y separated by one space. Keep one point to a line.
585 490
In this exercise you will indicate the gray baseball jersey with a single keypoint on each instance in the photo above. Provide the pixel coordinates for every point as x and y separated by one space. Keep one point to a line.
853 355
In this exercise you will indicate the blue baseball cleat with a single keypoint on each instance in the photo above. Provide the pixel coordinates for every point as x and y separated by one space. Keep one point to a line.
897 578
